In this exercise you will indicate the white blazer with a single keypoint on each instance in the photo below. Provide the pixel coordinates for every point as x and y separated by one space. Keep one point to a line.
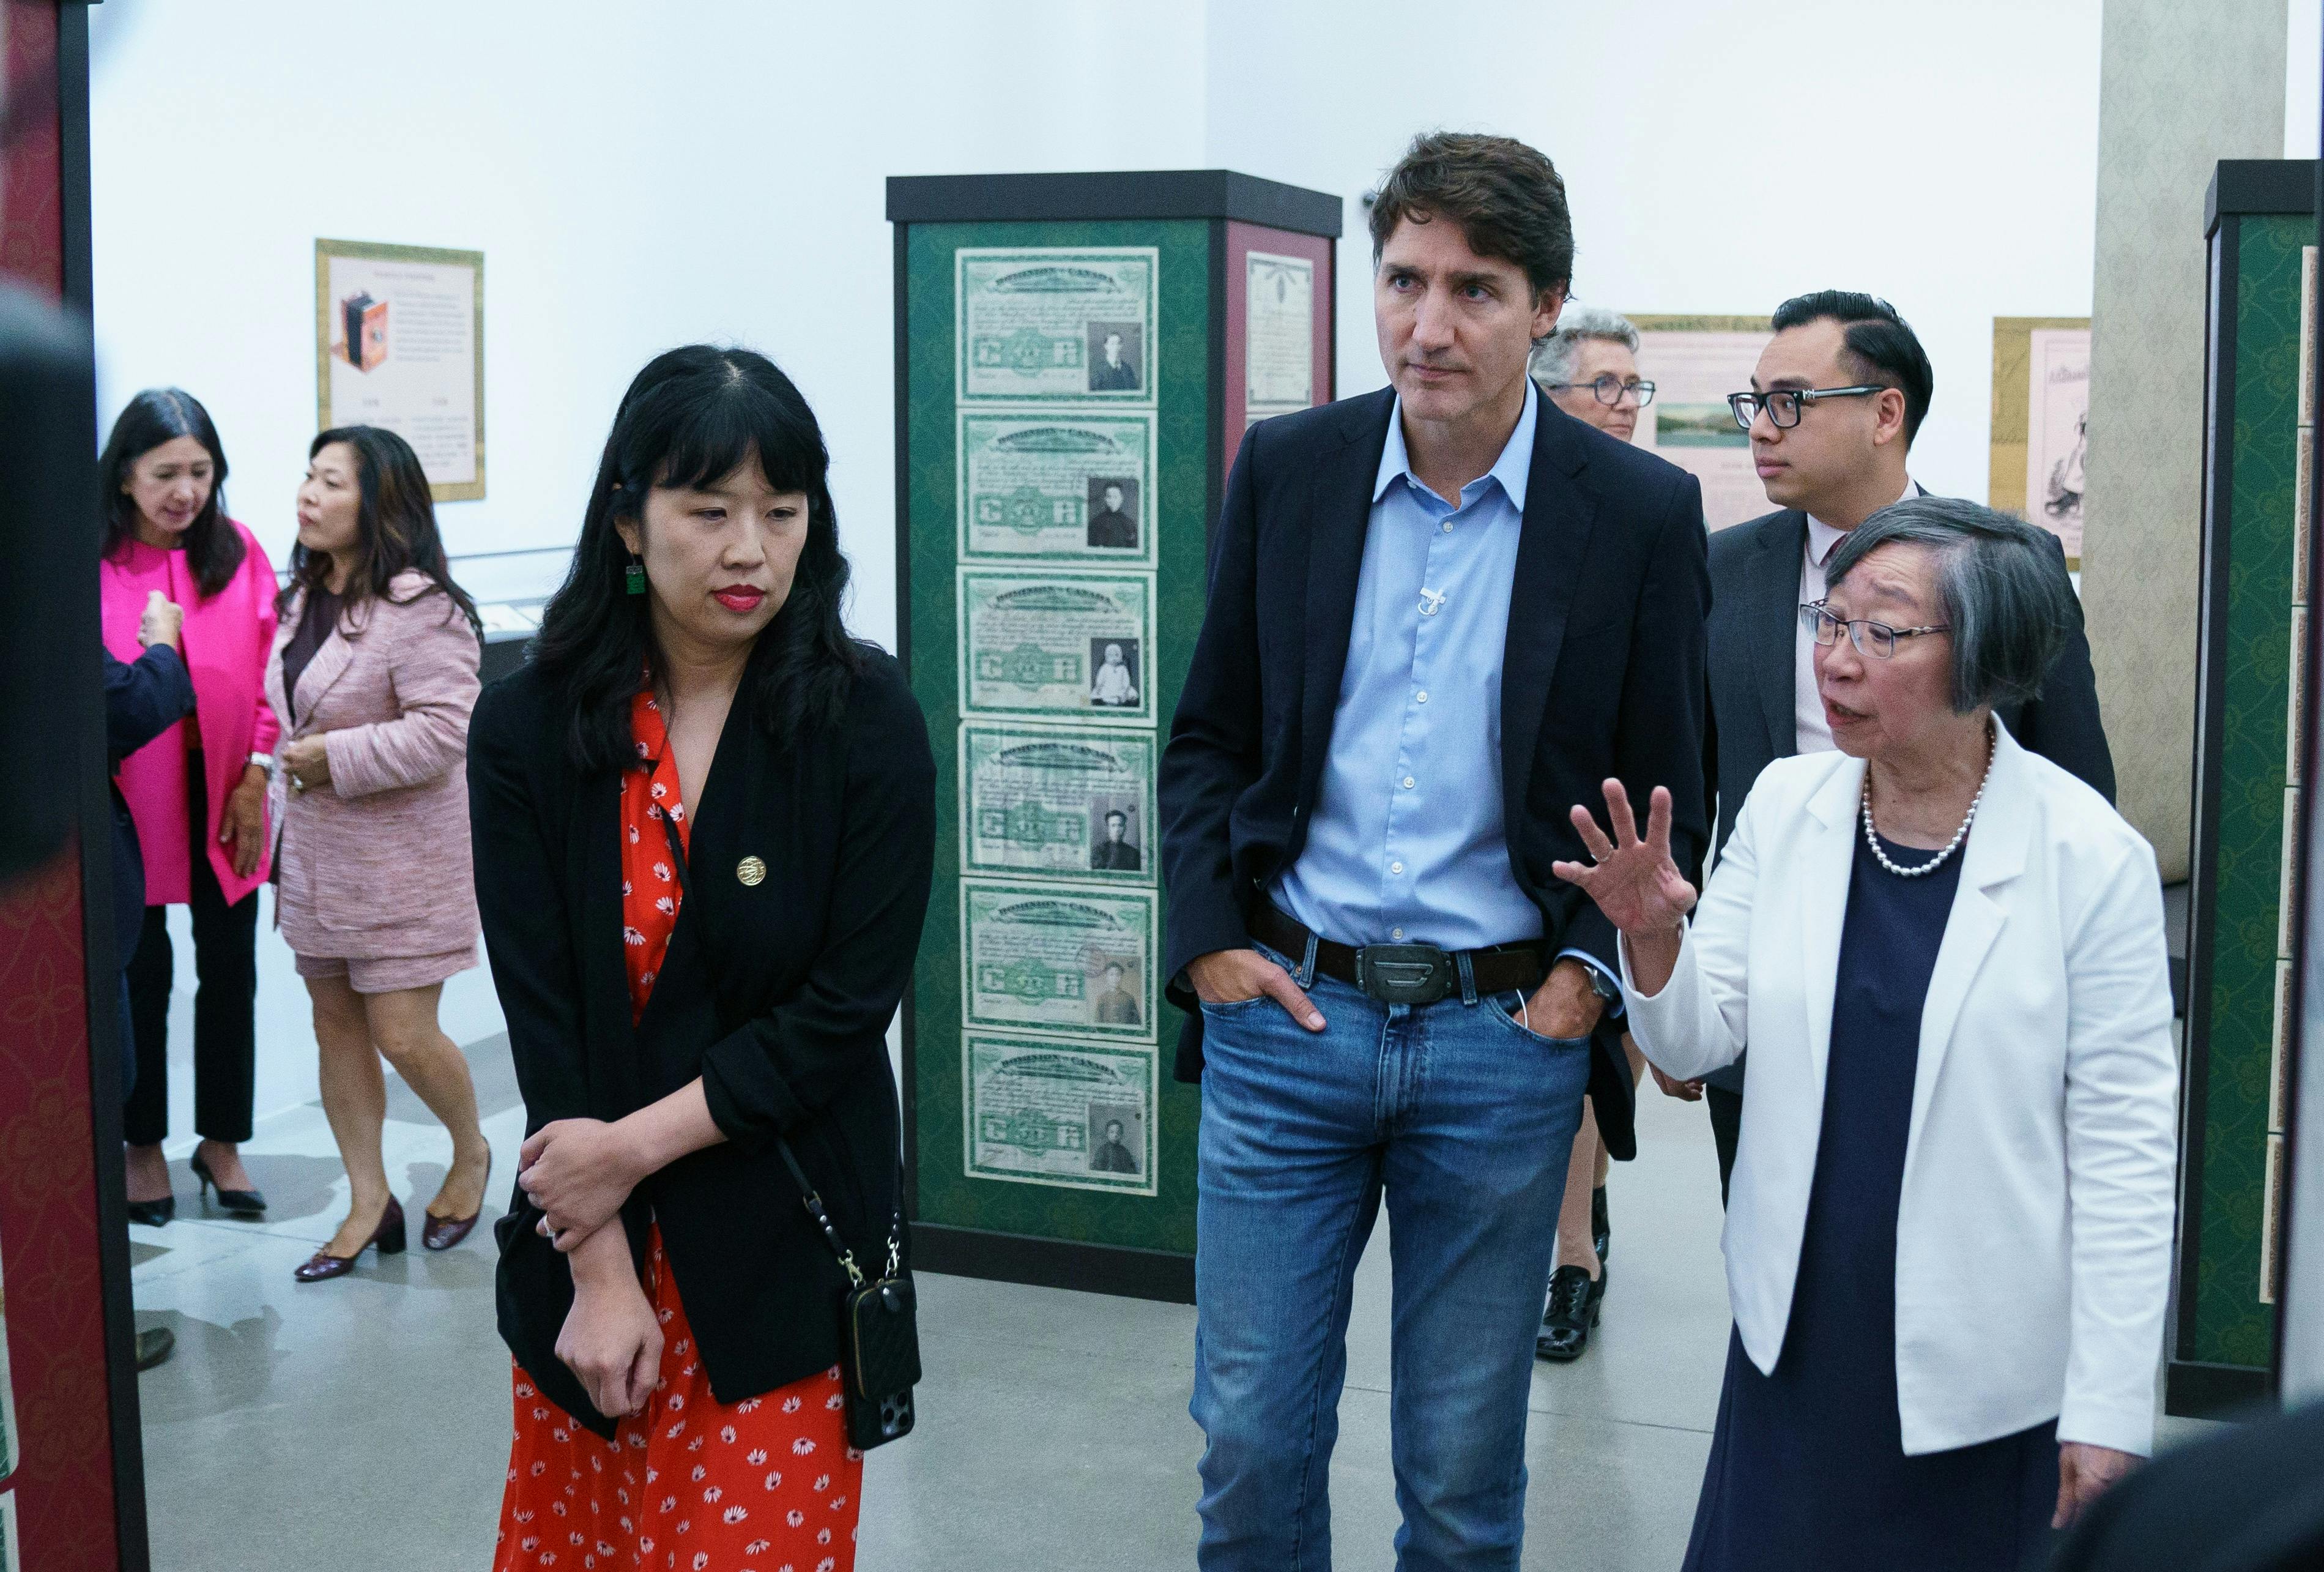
2034 1233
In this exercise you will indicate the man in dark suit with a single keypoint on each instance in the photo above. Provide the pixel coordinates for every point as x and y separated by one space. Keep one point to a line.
1110 528
1439 616
1114 373
1111 1156
1115 853
142 700
1117 1006
1837 399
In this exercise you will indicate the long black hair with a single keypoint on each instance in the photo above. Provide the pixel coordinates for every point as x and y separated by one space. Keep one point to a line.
691 418
213 545
395 527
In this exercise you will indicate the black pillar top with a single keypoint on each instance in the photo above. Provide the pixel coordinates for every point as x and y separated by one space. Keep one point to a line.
1135 194
2243 186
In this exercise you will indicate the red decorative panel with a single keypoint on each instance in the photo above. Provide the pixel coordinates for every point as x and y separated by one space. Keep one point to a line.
32 182
48 1242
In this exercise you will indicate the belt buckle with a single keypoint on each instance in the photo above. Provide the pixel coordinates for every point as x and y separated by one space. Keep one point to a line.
1404 974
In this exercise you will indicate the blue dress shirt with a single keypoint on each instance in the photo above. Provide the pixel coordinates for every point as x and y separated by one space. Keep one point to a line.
1407 844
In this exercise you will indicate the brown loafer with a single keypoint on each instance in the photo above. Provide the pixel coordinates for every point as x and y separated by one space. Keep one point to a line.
390 1236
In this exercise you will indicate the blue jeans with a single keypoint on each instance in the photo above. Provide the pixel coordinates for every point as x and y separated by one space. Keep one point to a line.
1465 1120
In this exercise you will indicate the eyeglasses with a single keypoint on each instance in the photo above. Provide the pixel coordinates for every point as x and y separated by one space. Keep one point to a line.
1877 639
1784 405
1609 389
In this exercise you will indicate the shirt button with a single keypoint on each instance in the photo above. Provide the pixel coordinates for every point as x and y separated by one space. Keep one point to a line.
1396 933
1396 867
1448 526
1409 782
1422 697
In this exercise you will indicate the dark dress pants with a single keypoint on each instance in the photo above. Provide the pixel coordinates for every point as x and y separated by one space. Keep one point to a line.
1726 1125
226 997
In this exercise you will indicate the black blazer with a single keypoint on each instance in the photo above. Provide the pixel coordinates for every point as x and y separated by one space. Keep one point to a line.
1602 675
1754 609
777 995
142 698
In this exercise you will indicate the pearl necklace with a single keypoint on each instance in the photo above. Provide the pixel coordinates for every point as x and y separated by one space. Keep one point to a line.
1952 846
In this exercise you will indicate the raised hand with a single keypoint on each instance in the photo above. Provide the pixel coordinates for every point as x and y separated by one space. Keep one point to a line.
1634 881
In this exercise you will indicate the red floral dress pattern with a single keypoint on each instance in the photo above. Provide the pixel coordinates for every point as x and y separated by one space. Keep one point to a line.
690 1484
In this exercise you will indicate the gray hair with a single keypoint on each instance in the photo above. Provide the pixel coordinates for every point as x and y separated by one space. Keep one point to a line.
1554 357
2001 587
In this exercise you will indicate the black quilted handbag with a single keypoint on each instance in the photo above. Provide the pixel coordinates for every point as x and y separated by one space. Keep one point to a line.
880 1338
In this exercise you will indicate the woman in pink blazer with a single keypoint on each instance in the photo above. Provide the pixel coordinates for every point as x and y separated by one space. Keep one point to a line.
373 675
198 792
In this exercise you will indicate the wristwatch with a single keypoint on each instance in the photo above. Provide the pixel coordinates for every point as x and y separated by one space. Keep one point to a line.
265 762
1609 991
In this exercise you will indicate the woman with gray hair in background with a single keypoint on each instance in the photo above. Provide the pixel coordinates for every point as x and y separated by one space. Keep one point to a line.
1589 367
1949 1236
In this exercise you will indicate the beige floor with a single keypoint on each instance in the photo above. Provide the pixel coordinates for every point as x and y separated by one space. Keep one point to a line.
363 1423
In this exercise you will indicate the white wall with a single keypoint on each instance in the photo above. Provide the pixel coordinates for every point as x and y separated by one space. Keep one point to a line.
1720 156
637 176
2303 77
641 176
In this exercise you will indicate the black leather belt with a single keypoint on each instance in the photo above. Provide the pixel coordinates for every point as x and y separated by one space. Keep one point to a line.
1404 974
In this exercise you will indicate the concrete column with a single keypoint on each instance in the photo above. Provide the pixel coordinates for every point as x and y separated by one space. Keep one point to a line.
2174 97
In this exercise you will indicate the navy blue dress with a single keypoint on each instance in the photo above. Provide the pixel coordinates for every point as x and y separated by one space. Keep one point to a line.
1808 1466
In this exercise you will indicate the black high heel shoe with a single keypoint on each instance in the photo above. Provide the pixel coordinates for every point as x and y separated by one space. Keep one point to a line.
153 1214
390 1236
238 1203
1573 1306
1602 1227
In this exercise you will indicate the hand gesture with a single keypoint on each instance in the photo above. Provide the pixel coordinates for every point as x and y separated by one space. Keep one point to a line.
161 620
1633 882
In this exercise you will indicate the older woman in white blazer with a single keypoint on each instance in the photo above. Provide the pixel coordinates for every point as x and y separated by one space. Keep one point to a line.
1949 1230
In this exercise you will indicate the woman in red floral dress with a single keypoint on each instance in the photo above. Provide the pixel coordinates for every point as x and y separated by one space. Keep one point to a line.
673 1312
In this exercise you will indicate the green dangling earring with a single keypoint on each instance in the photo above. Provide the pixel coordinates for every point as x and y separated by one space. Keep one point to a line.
634 575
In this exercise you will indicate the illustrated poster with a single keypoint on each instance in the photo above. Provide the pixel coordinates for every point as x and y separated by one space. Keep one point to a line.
399 344
1058 959
1077 1116
1056 322
1077 804
2057 415
1279 334
1694 362
1057 484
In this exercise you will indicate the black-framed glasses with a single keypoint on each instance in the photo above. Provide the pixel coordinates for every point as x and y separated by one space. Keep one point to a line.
1877 639
1784 405
1610 388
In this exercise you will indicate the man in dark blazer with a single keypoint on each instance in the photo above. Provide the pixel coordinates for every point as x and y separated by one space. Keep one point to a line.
1117 853
1440 616
1834 405
142 700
